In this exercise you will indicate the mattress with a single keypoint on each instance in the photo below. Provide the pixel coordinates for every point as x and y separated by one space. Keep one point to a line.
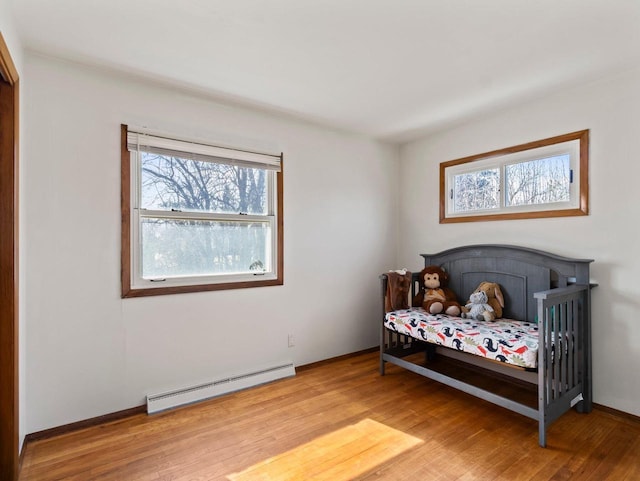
505 340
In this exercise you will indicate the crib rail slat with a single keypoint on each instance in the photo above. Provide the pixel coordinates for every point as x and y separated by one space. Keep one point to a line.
571 346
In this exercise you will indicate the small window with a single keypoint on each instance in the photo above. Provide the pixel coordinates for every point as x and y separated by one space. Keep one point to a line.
546 178
198 217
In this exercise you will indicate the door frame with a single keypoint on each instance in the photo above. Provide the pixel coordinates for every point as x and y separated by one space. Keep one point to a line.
9 324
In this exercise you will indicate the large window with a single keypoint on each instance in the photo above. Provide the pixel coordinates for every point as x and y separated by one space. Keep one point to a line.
198 217
546 178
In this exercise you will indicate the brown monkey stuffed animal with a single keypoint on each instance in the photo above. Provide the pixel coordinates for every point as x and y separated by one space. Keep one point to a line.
435 297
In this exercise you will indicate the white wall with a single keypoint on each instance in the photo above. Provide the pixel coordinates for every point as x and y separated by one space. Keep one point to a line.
610 108
90 352
8 30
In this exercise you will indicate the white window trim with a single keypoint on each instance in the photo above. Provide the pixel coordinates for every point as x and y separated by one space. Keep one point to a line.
136 285
574 144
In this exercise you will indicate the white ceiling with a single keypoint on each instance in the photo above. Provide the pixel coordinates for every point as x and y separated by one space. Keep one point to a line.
393 69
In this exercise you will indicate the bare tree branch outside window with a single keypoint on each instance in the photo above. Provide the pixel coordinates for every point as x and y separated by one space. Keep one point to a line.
477 190
177 247
540 181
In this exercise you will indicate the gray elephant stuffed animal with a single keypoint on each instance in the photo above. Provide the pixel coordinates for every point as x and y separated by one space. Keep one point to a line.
478 307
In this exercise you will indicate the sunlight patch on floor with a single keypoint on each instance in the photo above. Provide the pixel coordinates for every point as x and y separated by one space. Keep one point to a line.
338 456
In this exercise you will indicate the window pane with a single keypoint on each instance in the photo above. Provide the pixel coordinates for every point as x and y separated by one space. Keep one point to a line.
476 190
172 248
191 185
540 181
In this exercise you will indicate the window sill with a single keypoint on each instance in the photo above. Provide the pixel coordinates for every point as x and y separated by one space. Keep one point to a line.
128 292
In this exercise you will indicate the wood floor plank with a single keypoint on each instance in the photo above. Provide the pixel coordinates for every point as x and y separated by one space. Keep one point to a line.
463 438
338 456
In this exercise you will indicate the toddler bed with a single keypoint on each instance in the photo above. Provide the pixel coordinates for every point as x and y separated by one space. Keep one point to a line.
542 339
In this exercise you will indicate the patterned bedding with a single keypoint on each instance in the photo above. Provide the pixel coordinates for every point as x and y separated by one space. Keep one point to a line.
505 340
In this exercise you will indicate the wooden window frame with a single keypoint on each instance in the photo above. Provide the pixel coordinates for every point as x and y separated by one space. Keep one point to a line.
126 230
583 195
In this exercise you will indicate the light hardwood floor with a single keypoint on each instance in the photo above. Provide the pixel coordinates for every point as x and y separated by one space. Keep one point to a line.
449 436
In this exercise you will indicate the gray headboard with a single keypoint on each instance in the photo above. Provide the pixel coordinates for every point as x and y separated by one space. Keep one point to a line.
520 271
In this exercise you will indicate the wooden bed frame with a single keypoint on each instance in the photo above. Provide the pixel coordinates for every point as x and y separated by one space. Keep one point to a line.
540 287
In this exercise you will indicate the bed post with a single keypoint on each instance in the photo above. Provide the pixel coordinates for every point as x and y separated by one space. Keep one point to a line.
542 434
383 284
586 405
543 373
583 277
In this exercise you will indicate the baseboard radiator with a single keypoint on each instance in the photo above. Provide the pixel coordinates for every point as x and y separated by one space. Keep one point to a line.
180 397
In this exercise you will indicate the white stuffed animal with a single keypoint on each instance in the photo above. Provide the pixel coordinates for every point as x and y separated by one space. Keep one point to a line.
478 309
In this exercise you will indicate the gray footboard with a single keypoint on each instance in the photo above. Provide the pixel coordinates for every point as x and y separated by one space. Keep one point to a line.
563 314
563 361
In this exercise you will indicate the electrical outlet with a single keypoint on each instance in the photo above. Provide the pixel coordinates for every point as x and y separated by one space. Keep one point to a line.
291 343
